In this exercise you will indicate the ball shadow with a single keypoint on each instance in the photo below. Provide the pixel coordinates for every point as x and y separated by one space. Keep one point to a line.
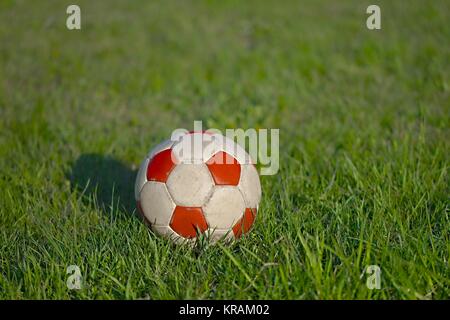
105 179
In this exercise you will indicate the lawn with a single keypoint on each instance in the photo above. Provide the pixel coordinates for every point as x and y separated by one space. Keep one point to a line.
364 119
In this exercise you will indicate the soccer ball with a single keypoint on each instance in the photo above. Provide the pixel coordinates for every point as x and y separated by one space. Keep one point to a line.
200 183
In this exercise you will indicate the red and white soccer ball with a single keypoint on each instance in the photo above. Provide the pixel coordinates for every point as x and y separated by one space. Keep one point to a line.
187 187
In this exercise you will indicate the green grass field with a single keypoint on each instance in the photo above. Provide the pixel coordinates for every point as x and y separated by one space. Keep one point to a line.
364 133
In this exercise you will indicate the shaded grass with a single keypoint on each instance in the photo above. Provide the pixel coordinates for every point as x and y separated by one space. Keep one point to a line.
363 118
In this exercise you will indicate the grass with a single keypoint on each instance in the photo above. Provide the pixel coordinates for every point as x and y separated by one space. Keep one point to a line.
364 132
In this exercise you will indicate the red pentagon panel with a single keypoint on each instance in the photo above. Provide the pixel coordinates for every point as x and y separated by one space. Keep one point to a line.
244 225
187 220
224 168
160 166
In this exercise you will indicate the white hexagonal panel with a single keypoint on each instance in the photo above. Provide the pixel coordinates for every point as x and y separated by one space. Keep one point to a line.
225 207
141 178
190 184
156 203
195 148
250 185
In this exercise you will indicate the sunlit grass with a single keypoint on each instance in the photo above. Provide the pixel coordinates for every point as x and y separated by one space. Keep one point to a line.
364 130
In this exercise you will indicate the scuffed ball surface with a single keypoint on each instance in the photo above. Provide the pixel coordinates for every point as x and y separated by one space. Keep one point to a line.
182 191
